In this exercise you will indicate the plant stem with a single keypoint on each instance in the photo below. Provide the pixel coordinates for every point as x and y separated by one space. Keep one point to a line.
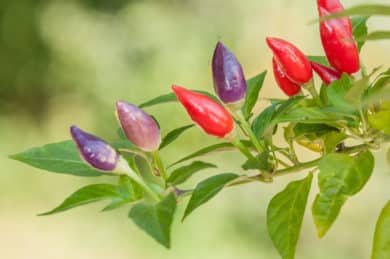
248 130
159 164
237 143
312 90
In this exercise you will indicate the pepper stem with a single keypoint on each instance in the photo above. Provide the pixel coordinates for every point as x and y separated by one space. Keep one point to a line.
248 130
159 164
237 143
309 86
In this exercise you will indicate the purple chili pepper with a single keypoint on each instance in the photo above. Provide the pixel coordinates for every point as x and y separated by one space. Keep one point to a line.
139 127
95 151
229 80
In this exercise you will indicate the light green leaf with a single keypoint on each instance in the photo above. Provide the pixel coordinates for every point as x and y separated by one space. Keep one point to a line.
377 35
381 245
206 190
336 92
363 9
61 157
359 28
182 174
85 195
254 86
204 151
380 120
285 215
173 135
156 219
354 95
340 177
130 189
320 60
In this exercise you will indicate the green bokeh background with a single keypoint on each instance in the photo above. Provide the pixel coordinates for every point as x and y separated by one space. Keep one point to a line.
67 62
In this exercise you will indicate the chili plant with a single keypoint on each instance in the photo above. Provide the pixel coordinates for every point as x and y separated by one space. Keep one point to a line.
342 119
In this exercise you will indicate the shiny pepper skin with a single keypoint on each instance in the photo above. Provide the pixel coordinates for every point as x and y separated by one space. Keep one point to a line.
337 38
293 62
205 112
288 87
229 80
327 74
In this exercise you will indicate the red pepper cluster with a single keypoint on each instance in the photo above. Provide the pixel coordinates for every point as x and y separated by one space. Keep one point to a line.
292 68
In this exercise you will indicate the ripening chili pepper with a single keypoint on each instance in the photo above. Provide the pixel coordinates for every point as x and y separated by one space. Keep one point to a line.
95 151
337 38
294 63
229 80
139 127
207 113
327 74
288 87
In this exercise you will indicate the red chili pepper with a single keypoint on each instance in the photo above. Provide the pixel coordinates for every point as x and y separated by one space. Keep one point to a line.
327 74
207 113
288 87
292 61
337 38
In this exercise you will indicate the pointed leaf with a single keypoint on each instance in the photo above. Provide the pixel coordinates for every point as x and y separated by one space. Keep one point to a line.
285 215
156 219
381 246
173 135
320 60
181 174
363 9
260 162
340 177
85 195
359 28
254 86
61 157
206 190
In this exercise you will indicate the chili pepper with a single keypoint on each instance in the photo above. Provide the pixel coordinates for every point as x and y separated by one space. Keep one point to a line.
139 127
95 151
327 74
207 113
229 80
292 61
337 38
288 87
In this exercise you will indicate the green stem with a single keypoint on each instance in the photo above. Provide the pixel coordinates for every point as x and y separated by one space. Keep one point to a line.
312 90
159 164
248 130
237 143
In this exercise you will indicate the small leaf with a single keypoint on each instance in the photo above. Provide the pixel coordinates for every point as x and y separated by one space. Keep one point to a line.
320 60
260 162
85 195
380 121
173 135
381 245
359 28
206 190
377 35
336 92
61 157
181 174
156 219
262 122
254 86
204 151
340 177
363 9
331 140
285 215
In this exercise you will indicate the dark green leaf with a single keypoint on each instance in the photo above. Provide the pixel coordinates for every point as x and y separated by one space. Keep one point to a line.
204 151
173 135
359 28
336 92
260 162
285 215
181 174
254 86
206 190
363 9
315 130
156 219
319 59
340 177
61 157
381 245
85 195
262 122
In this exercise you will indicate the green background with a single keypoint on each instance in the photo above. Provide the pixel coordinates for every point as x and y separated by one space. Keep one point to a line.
67 62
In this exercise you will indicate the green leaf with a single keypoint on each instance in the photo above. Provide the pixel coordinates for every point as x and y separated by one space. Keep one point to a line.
320 60
260 162
132 189
340 177
331 140
262 122
359 28
377 35
206 190
381 245
61 157
337 91
354 95
363 9
156 219
254 86
173 135
285 215
182 174
85 195
380 120
204 151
